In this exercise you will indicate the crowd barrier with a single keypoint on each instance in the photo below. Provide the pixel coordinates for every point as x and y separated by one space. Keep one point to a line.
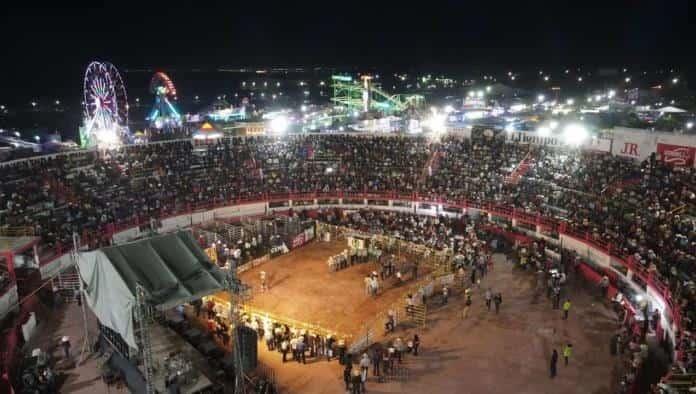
104 234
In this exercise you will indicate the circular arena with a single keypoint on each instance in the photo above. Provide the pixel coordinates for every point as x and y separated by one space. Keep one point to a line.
466 264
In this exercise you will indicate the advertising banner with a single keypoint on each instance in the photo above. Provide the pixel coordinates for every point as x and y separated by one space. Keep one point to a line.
676 155
633 143
533 138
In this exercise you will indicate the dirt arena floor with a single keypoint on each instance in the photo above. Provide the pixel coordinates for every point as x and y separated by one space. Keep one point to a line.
301 287
484 353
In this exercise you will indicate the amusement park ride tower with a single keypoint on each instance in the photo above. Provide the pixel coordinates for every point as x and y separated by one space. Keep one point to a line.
366 97
164 114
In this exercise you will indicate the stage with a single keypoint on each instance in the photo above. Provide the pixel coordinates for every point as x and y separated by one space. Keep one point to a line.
301 287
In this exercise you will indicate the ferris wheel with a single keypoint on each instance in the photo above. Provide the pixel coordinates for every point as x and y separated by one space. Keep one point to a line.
164 114
105 104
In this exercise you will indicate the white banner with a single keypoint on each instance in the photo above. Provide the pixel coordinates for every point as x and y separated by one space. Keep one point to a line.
532 138
633 143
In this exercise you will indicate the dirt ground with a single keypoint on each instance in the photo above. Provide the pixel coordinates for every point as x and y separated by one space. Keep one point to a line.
301 287
484 353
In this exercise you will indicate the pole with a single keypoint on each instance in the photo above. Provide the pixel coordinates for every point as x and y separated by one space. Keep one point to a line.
81 295
234 289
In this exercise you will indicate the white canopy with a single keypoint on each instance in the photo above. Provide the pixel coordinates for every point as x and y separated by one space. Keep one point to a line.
670 110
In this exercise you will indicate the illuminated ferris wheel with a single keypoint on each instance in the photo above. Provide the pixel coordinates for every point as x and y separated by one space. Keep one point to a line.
105 105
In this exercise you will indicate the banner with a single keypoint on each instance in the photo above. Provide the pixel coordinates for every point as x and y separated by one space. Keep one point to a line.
532 138
633 143
676 155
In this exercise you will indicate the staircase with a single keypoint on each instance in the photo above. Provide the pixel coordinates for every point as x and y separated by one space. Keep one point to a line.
430 166
520 170
67 282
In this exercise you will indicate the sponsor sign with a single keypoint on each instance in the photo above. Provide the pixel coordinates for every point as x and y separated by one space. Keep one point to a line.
633 143
532 138
676 155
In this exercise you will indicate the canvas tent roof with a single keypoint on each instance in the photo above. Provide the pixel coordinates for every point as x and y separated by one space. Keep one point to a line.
671 110
171 268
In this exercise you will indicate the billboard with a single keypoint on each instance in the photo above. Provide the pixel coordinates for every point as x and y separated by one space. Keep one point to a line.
633 143
676 155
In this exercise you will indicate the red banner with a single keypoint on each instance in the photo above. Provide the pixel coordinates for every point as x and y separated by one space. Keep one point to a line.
677 155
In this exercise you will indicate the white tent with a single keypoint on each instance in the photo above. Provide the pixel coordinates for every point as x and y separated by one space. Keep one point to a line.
670 110
172 269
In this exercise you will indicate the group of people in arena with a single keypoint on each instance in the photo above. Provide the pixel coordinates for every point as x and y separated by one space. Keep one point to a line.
643 210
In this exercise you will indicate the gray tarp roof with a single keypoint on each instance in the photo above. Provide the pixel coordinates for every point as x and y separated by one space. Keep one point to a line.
172 268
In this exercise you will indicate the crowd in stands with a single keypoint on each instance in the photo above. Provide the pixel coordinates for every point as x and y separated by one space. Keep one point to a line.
643 210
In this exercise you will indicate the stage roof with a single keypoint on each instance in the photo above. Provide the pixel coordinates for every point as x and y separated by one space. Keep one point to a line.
172 269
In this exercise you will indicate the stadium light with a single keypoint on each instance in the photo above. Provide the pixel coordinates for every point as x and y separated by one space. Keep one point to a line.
436 122
279 124
575 134
543 131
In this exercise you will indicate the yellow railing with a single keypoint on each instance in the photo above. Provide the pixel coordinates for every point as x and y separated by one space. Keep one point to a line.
16 231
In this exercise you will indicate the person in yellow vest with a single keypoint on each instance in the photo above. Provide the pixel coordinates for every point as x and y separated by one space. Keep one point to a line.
567 351
566 309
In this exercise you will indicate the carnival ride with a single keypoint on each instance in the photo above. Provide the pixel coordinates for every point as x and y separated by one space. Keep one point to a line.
105 106
365 96
164 114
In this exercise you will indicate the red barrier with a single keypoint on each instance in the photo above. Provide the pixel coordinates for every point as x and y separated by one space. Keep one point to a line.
94 238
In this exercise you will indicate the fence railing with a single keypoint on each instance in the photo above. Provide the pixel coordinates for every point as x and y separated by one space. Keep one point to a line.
95 237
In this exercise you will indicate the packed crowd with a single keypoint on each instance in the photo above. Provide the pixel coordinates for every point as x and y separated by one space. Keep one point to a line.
644 211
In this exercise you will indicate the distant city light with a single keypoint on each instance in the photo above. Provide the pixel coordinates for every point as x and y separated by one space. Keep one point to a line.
488 88
449 109
579 79
689 125
546 78
675 81
540 98
33 103
570 101
57 102
553 124
611 94
627 79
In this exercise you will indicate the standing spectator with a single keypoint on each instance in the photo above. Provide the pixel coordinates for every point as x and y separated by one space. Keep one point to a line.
346 376
364 368
554 361
498 299
65 343
489 297
264 287
284 349
376 359
566 309
567 351
416 344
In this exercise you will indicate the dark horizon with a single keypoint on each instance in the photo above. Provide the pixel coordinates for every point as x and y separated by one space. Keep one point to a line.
47 50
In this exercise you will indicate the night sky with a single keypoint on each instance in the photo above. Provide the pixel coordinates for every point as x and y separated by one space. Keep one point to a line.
46 50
